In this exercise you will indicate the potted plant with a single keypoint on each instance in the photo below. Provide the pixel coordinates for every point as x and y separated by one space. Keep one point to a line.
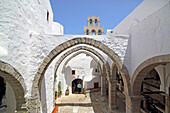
67 92
55 94
59 94
59 89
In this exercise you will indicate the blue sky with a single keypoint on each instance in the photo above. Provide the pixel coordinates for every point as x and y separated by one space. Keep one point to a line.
72 14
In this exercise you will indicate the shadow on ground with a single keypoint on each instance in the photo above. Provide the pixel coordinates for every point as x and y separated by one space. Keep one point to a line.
93 102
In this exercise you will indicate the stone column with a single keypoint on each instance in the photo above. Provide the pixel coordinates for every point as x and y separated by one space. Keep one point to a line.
112 94
98 23
93 22
103 85
89 32
167 104
88 23
84 31
133 104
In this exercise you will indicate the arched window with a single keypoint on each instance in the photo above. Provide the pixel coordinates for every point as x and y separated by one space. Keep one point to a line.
96 22
90 22
99 32
87 32
93 32
47 16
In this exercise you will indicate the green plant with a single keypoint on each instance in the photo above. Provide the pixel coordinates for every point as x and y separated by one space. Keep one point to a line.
55 93
59 92
67 88
59 88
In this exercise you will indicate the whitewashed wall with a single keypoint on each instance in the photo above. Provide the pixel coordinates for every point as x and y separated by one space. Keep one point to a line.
84 67
148 29
24 41
140 13
150 37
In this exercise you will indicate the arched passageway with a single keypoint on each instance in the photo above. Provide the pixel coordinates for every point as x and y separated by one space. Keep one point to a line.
77 86
64 66
62 47
148 71
12 84
154 98
2 89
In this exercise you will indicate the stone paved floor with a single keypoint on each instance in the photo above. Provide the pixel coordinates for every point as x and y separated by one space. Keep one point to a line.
93 103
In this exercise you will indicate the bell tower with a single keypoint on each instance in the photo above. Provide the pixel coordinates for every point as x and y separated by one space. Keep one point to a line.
93 26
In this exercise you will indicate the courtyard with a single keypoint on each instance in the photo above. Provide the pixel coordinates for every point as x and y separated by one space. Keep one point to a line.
92 102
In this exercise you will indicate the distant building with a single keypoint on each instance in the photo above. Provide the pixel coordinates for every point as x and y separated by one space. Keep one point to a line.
93 26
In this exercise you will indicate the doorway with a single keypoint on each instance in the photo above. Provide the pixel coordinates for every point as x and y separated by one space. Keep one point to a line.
75 84
2 89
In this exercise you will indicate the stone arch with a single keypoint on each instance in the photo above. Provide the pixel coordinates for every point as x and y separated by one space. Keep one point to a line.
93 32
126 83
78 54
105 63
81 48
16 81
87 32
144 68
99 32
59 49
105 70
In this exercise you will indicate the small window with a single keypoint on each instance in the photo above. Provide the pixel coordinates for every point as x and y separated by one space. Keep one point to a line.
99 32
96 85
73 72
87 32
93 32
90 22
96 70
96 22
47 16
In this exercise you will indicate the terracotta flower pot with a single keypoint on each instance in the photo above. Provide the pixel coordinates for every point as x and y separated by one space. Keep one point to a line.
59 95
67 92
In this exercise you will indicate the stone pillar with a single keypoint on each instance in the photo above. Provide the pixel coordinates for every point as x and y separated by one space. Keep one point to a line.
133 104
88 23
89 32
33 104
103 85
84 31
112 94
93 22
167 104
98 23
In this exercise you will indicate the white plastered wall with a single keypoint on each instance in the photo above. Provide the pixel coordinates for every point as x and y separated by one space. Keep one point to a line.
84 67
140 13
150 37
